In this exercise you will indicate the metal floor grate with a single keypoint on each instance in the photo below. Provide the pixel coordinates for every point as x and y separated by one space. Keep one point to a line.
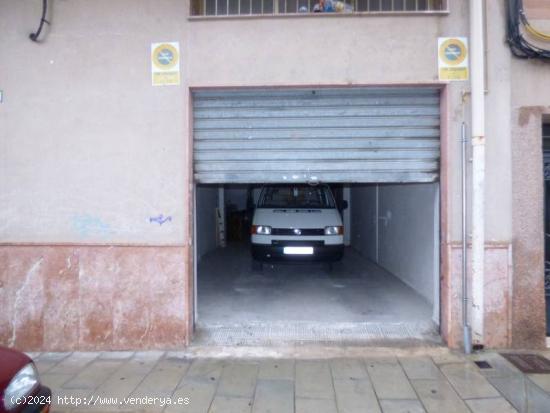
528 363
285 333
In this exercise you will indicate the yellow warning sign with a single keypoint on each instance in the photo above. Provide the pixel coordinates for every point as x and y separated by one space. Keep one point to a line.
453 58
165 63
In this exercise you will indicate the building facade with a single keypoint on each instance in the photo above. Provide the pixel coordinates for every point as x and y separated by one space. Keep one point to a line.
97 192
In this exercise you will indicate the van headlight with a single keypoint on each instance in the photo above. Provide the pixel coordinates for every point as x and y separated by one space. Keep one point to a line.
261 229
334 230
20 386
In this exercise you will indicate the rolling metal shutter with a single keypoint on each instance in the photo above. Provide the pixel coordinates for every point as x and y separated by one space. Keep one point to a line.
326 135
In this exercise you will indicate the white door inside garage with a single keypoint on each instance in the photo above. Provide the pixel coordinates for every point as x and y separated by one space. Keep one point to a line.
378 149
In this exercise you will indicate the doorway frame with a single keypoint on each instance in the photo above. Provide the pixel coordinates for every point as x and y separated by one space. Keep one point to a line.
444 295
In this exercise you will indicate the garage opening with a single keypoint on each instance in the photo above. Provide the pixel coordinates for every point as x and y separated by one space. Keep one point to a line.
317 216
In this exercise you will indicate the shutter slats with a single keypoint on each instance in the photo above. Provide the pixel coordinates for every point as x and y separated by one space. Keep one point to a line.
330 135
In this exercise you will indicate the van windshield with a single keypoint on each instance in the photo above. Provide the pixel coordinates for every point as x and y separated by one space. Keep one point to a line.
296 196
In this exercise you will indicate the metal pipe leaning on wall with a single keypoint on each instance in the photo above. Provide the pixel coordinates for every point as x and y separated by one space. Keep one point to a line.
477 82
465 300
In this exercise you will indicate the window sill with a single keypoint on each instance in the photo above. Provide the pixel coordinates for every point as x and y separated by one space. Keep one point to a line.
320 15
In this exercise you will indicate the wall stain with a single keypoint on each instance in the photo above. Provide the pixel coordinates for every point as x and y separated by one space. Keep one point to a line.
86 225
526 112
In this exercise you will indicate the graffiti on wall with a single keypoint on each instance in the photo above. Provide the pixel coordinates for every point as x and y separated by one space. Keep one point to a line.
87 225
160 219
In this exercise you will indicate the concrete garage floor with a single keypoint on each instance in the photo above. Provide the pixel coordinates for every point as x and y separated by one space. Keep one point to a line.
356 300
432 381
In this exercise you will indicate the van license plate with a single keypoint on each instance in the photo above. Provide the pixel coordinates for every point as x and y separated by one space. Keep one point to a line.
298 250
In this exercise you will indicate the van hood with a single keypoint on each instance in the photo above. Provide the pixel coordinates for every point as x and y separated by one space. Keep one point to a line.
296 218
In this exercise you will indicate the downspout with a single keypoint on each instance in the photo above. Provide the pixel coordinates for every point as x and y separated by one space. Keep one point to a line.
465 300
478 167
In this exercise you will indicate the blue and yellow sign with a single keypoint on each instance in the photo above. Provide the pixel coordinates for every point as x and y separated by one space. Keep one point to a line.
165 63
453 58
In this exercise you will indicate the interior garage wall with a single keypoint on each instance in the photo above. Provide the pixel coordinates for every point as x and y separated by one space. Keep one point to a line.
363 220
406 234
236 195
207 201
406 225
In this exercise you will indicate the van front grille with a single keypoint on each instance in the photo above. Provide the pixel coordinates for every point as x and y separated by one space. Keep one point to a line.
304 243
298 231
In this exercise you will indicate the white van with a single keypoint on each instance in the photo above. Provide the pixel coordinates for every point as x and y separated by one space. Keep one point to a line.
298 222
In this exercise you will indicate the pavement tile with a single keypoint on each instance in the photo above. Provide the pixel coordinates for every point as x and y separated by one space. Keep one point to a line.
513 388
496 405
274 396
468 382
116 355
200 394
506 378
390 382
538 401
541 380
355 396
55 380
381 360
43 367
74 363
163 379
148 356
94 374
223 404
402 406
447 358
238 380
420 368
177 354
408 384
348 369
47 361
314 380
500 367
276 369
54 355
125 379
438 396
205 369
315 406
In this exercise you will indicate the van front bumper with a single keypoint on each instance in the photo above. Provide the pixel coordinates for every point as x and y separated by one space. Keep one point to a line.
276 251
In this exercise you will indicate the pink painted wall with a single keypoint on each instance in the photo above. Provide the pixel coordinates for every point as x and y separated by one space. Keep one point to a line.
93 298
498 294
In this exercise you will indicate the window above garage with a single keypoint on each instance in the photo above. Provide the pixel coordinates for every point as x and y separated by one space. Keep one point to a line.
317 7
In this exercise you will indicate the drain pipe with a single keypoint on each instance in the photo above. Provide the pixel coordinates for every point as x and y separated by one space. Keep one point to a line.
465 323
478 168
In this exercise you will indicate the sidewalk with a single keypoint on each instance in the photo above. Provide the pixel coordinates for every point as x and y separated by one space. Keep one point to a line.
436 381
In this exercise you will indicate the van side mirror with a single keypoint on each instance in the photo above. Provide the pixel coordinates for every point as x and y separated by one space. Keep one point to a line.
344 205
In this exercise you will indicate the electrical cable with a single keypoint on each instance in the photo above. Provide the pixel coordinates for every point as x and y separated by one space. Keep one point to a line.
519 45
34 36
535 32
